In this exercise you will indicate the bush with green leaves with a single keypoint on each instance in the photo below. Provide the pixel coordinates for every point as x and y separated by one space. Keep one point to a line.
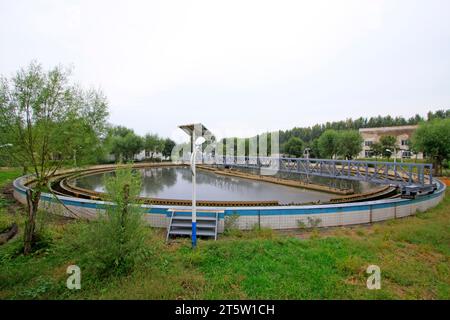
231 227
115 242
294 147
231 221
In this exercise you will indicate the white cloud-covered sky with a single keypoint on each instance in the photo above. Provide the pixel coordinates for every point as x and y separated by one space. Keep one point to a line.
240 67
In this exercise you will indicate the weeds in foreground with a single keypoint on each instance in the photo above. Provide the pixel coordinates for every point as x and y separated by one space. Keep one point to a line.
115 242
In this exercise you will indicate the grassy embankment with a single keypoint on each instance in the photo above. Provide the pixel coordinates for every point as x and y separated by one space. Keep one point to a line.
413 254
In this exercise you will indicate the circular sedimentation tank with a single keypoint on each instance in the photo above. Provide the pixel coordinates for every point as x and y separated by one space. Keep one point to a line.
269 201
171 184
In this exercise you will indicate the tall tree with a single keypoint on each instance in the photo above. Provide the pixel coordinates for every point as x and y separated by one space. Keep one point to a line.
350 143
439 114
123 143
294 147
328 143
126 147
377 149
433 138
314 151
153 144
169 144
45 116
388 145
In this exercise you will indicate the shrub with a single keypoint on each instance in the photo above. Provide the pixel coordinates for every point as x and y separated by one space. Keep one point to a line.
230 222
115 243
301 224
314 223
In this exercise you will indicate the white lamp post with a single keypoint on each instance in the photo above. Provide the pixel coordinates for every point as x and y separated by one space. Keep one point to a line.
306 153
196 146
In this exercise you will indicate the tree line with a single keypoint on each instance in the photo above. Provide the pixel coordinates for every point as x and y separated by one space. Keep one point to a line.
123 143
339 139
308 134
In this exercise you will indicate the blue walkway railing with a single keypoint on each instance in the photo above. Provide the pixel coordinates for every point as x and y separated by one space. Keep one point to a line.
394 173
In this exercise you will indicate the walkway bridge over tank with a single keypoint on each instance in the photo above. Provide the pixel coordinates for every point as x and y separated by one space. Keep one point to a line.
412 178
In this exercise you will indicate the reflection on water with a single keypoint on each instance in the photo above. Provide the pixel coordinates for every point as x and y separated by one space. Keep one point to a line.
175 183
357 186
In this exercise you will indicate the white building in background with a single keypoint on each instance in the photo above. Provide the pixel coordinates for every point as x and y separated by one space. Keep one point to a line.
141 156
403 135
147 155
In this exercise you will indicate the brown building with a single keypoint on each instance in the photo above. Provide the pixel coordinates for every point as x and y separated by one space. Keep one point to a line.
402 133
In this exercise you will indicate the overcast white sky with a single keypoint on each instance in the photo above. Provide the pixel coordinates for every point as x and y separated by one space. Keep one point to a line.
240 67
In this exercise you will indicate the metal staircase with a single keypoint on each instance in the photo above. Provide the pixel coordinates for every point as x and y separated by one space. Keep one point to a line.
181 223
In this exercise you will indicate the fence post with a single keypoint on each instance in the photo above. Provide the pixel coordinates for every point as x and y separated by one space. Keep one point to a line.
259 219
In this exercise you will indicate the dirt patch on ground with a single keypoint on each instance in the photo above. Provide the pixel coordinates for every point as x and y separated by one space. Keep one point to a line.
356 231
13 207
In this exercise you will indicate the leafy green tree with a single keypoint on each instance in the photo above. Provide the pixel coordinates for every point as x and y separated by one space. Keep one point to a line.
153 144
314 151
123 143
433 139
294 147
95 110
388 143
87 141
133 144
377 149
119 131
45 117
439 114
350 143
328 143
126 147
169 144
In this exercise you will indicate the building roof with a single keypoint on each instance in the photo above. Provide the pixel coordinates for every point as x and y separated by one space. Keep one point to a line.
387 129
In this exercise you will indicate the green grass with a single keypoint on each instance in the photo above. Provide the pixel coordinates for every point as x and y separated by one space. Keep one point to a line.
6 176
413 254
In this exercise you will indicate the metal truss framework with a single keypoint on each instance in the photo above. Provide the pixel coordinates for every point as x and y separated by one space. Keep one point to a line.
399 174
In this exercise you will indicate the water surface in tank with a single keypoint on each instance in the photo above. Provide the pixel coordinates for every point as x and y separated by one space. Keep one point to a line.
176 183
